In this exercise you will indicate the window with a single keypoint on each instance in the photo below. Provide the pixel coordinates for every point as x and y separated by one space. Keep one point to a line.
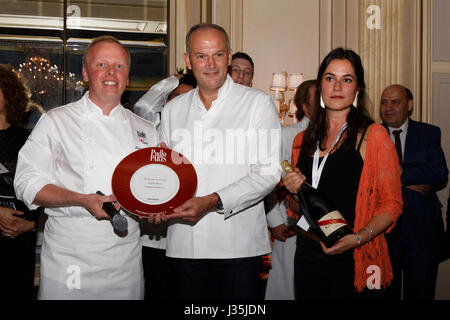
46 46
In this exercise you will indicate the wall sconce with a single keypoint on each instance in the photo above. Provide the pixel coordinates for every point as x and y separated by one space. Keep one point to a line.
282 82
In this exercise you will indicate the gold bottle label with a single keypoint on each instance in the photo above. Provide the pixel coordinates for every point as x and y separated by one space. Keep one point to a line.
330 222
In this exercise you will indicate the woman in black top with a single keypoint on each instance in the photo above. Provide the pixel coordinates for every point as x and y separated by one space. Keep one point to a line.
17 223
336 137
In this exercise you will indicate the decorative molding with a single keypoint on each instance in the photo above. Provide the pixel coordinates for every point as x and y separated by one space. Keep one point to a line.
325 28
229 15
440 67
77 22
237 25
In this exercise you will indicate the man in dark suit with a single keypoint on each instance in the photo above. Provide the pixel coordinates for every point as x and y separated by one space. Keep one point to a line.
414 244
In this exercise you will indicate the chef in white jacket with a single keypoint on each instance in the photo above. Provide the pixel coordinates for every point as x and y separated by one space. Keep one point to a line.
231 134
71 153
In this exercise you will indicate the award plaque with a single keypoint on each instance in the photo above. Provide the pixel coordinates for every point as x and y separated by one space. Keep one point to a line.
153 181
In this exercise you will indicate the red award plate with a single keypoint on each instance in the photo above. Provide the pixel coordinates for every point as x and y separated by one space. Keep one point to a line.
153 180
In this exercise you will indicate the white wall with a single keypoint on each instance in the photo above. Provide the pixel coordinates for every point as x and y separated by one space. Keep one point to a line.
281 36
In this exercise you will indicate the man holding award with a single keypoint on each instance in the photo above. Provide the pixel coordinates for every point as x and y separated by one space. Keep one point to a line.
231 135
70 155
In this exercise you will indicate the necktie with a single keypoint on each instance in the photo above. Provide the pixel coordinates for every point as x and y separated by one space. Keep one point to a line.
398 144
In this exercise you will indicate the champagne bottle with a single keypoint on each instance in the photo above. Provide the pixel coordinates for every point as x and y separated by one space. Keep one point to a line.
325 220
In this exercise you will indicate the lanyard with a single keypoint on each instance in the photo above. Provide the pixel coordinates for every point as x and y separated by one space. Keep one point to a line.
316 169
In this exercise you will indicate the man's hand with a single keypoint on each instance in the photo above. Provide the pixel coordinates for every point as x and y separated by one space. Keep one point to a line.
282 232
94 202
195 208
156 218
13 226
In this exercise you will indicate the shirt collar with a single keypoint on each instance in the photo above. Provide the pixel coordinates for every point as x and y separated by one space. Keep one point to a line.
223 91
93 109
403 127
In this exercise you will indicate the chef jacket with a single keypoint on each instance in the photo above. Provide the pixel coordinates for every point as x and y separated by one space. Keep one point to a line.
234 147
150 105
76 147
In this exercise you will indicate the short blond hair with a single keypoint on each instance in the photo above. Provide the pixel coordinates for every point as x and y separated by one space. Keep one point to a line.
101 39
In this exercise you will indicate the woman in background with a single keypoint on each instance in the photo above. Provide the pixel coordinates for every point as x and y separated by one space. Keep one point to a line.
17 224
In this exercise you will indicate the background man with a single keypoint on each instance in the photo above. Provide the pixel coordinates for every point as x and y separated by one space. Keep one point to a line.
415 242
216 247
71 153
242 69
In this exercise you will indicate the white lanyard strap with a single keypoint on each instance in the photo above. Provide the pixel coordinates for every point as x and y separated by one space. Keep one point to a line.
316 169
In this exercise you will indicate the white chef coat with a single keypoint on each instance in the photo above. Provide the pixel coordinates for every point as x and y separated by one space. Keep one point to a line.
230 166
280 283
150 105
77 148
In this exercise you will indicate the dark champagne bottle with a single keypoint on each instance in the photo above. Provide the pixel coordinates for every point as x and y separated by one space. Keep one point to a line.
324 219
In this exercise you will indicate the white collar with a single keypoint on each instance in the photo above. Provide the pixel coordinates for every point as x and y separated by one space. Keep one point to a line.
92 108
403 127
221 94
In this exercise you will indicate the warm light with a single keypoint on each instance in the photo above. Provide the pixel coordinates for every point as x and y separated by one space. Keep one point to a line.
281 82
278 81
294 80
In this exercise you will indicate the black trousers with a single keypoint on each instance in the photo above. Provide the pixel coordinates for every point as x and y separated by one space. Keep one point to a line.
318 276
419 266
17 267
217 279
158 275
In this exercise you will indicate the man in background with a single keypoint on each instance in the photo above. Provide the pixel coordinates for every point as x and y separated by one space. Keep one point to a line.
414 244
242 69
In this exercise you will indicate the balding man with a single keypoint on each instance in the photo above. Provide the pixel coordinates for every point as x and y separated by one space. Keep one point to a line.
217 243
415 242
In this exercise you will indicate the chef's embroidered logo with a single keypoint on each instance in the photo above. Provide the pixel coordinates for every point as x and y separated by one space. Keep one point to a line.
142 137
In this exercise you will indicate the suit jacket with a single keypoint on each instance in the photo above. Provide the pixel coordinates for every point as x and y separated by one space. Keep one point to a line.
423 163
